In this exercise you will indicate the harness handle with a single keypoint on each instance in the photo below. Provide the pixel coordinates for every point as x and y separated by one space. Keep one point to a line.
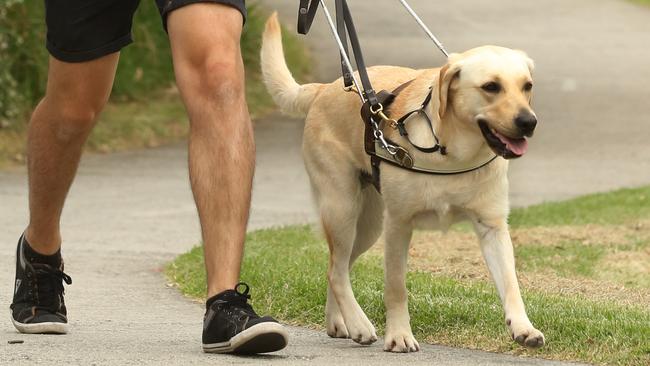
306 14
348 82
344 26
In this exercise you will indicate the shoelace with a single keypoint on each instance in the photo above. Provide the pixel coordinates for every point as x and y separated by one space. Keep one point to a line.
50 286
241 300
236 302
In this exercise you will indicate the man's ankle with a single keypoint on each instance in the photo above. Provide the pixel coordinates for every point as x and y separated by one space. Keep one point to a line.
214 290
45 245
35 256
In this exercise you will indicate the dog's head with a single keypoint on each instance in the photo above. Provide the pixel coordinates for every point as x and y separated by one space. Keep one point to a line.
490 88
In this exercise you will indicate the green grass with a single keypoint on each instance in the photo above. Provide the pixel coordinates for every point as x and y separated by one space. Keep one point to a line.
601 208
576 259
124 125
580 259
287 268
566 259
139 124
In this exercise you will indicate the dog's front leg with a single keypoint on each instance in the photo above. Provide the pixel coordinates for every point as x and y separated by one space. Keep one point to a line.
340 241
498 253
399 337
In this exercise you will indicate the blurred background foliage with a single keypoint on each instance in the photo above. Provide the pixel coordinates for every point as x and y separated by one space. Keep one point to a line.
145 109
145 66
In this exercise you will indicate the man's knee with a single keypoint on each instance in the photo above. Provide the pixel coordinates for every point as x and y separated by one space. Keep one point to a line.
74 120
218 79
225 80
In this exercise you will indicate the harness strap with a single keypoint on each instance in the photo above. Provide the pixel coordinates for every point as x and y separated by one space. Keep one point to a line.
376 178
404 160
340 29
306 13
401 88
401 126
385 98
368 91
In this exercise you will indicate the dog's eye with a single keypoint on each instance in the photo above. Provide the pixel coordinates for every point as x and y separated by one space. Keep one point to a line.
491 87
528 86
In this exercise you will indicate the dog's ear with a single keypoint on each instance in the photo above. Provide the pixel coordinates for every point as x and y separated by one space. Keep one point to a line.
531 66
529 61
448 73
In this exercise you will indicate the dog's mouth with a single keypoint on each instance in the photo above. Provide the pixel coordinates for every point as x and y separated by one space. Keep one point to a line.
502 145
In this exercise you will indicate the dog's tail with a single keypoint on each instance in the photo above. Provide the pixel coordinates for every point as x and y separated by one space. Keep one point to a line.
291 97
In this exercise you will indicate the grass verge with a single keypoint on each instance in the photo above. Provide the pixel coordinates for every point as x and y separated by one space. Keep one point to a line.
612 208
144 110
287 269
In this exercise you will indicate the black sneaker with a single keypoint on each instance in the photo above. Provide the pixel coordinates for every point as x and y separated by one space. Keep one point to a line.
230 325
38 305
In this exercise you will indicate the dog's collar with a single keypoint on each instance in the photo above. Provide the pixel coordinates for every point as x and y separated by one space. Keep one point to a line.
405 160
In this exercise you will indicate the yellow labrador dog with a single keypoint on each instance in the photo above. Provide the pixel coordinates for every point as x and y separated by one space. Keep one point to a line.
480 106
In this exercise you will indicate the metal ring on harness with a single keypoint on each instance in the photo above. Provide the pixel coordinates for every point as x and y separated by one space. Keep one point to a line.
380 108
379 135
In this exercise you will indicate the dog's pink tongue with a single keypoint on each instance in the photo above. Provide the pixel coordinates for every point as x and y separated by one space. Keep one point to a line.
517 146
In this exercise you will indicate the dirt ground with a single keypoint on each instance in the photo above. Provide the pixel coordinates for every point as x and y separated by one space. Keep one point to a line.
620 275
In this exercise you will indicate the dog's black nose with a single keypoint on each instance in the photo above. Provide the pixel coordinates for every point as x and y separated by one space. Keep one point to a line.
526 122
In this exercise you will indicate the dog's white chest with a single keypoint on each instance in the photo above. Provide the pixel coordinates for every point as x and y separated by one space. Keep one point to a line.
438 216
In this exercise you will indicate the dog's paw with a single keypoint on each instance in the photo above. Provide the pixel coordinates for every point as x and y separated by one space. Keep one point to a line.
401 342
365 337
525 334
362 331
336 326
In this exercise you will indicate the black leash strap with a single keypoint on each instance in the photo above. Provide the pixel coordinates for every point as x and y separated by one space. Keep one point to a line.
306 14
340 29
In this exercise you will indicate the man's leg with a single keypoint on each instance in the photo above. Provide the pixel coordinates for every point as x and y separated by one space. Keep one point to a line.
61 123
210 75
76 92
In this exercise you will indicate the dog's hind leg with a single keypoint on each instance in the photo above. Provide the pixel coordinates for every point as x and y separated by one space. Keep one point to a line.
369 225
399 337
498 253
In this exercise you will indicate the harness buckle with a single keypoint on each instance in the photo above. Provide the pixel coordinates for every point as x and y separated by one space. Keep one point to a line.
391 122
350 88
403 157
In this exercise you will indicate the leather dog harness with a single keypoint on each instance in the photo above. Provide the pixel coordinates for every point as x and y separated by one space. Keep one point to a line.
375 106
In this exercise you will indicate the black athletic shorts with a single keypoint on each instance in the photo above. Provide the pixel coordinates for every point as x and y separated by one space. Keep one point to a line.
84 30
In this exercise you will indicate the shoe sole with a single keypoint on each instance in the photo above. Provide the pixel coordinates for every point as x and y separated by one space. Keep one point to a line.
260 338
40 328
